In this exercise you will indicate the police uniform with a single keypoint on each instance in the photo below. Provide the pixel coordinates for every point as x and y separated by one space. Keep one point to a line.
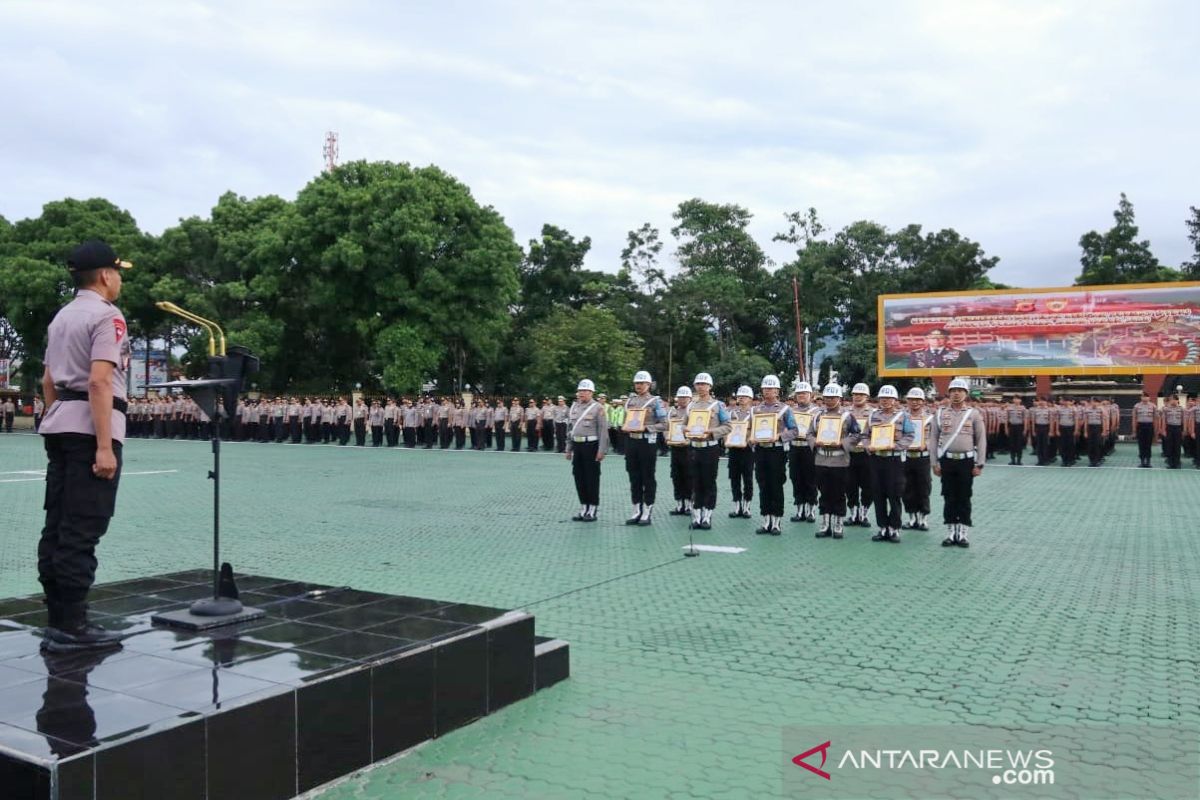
516 419
770 458
459 417
1145 424
412 418
802 467
1172 431
547 425
1193 426
533 421
500 423
939 356
887 466
1066 430
479 421
560 423
1041 416
640 452
391 423
375 420
741 459
960 445
917 474
858 474
587 440
1015 417
681 481
703 455
79 502
8 410
832 462
1096 420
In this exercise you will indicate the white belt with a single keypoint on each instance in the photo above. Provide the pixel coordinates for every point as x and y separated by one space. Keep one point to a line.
959 456
703 444
581 439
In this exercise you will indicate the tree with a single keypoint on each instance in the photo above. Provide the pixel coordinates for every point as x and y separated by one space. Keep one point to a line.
1117 256
587 343
1191 269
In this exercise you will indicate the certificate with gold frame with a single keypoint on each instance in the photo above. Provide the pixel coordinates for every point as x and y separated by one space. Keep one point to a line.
697 423
804 423
766 428
675 433
635 421
829 431
737 433
918 442
883 437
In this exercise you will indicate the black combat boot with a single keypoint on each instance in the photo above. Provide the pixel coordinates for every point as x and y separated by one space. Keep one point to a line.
73 632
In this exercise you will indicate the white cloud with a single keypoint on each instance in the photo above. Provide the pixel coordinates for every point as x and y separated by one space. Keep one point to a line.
1017 123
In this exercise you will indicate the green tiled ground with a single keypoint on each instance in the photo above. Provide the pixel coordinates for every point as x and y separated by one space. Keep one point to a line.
1077 602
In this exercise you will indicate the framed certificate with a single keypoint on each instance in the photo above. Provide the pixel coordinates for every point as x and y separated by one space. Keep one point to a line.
829 431
804 423
737 433
635 420
766 428
918 442
883 437
675 433
697 423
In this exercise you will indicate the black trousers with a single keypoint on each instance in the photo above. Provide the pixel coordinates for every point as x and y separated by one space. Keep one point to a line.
444 433
360 432
376 435
957 483
78 508
427 433
547 435
802 470
586 470
858 481
1066 445
281 430
681 477
770 468
741 473
499 435
326 431
515 429
389 432
616 438
294 424
831 481
1041 443
343 428
1173 438
478 436
560 433
1016 441
460 437
640 464
702 467
918 480
410 436
531 435
1095 443
887 480
1145 439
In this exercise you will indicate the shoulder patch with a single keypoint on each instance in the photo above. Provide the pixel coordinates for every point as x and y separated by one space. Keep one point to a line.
119 328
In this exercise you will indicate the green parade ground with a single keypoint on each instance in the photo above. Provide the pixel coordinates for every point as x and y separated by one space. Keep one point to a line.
1076 604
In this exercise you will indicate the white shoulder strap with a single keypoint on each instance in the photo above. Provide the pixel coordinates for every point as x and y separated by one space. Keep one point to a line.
943 446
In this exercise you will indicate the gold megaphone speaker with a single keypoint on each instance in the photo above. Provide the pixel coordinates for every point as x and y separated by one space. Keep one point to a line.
216 336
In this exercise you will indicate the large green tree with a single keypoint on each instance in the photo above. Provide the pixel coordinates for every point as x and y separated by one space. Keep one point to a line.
1118 256
589 342
1191 268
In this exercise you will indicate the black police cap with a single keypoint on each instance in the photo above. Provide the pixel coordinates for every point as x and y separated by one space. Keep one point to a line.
94 254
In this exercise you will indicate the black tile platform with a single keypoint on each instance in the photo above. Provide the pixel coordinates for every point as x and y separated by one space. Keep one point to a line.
331 680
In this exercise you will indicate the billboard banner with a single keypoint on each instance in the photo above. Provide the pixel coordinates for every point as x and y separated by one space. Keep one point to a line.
138 373
1135 329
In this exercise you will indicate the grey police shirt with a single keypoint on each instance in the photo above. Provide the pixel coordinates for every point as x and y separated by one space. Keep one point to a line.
87 329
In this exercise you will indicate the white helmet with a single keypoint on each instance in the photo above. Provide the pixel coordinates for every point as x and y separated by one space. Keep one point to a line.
960 383
802 386
831 390
642 377
861 388
703 377
889 391
587 385
915 394
770 382
683 392
745 391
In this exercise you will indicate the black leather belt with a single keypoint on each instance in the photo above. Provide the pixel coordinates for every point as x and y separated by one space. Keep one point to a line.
119 404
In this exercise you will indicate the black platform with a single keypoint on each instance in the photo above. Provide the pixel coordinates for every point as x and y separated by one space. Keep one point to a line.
331 680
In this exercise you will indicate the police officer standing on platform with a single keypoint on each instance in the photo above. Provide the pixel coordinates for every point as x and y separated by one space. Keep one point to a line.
959 443
703 453
587 444
741 459
87 355
802 467
917 480
887 463
770 457
641 448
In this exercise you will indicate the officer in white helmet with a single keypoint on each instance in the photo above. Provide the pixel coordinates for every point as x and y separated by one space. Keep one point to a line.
681 479
645 421
704 432
887 461
858 477
959 443
917 479
802 468
587 443
741 458
770 453
831 443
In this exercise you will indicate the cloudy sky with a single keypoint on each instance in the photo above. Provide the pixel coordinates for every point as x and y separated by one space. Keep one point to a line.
1016 123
